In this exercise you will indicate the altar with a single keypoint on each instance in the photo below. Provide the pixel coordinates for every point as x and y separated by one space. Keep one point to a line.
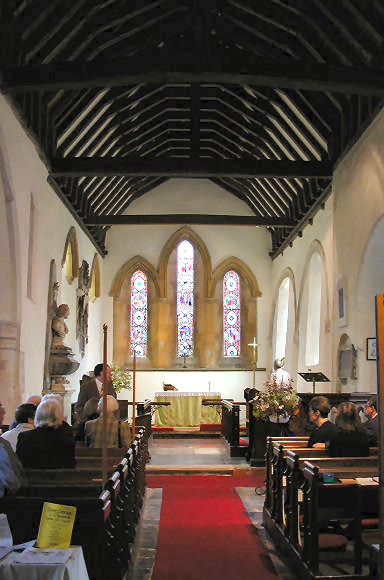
185 409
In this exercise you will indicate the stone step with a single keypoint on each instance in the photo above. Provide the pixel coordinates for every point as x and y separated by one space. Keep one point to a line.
202 470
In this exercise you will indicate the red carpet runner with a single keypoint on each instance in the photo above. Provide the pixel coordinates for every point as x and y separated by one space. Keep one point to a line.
205 532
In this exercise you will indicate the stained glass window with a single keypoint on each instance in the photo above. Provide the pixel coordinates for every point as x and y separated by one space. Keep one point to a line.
185 287
231 314
139 313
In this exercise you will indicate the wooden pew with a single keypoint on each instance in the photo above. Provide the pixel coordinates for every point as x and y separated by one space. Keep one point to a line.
299 473
105 522
344 501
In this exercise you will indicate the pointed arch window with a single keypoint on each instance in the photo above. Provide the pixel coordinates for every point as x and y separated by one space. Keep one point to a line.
312 347
231 314
185 298
139 313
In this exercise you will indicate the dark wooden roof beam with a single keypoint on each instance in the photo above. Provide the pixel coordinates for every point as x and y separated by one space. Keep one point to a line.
157 69
130 166
194 219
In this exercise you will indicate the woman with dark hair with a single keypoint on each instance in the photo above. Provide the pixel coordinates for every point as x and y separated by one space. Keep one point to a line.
351 439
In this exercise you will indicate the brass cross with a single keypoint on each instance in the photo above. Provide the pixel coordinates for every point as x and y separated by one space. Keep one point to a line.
254 344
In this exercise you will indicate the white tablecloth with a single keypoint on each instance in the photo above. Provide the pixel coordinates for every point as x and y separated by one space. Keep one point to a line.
73 569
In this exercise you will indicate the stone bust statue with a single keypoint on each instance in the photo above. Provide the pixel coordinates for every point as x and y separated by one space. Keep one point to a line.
59 328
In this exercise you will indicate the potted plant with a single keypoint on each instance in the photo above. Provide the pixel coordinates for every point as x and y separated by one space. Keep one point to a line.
121 377
276 403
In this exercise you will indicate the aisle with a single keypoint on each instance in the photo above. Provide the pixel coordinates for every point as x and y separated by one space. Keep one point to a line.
205 531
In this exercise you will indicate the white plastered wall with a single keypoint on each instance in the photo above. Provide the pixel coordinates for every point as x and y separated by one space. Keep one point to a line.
359 241
295 260
26 175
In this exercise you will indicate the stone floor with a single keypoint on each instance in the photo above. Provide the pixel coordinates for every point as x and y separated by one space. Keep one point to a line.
197 451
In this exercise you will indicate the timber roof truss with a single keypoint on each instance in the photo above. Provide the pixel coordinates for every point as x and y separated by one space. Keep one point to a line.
263 98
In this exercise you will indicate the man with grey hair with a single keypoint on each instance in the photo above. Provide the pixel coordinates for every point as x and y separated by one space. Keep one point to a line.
279 376
50 445
118 433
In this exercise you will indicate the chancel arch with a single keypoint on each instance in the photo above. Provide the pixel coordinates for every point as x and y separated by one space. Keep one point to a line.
70 259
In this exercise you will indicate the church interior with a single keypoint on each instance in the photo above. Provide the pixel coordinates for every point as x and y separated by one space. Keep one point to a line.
201 183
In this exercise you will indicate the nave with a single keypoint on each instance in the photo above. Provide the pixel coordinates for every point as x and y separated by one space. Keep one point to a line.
201 517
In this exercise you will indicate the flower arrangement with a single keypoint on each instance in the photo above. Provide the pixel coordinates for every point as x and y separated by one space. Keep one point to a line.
121 377
275 401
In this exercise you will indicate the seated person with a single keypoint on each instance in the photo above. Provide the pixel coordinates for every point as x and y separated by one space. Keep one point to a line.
24 417
33 399
90 412
351 439
94 388
318 415
11 471
118 433
51 445
371 426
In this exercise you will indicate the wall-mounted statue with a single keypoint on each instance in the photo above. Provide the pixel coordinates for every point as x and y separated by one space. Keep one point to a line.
61 359
59 328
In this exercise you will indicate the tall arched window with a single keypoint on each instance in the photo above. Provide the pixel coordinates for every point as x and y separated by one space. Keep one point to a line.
231 314
312 348
185 298
282 319
139 313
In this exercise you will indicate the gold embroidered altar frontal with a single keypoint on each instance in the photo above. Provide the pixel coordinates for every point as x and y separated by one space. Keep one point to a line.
185 409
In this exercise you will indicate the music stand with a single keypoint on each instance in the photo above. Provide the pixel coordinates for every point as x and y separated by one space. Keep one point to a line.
315 378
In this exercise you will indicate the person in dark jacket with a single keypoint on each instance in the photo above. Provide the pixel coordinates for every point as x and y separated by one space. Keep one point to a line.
94 389
371 426
351 440
51 445
318 415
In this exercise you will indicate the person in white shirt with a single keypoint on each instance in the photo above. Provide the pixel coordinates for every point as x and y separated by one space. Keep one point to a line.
24 417
279 376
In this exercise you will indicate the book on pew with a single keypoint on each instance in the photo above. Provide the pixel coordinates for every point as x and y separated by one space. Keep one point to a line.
39 556
56 525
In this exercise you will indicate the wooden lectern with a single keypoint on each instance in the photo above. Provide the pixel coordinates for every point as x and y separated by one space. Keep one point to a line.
314 378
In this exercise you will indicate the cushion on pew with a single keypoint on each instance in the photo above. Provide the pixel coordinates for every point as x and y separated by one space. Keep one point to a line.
332 541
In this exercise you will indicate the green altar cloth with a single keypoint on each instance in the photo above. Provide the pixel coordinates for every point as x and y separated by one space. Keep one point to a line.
185 409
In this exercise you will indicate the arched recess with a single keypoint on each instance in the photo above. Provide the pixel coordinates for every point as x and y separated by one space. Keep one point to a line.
241 268
70 257
121 293
126 271
184 233
291 350
94 290
11 362
325 343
